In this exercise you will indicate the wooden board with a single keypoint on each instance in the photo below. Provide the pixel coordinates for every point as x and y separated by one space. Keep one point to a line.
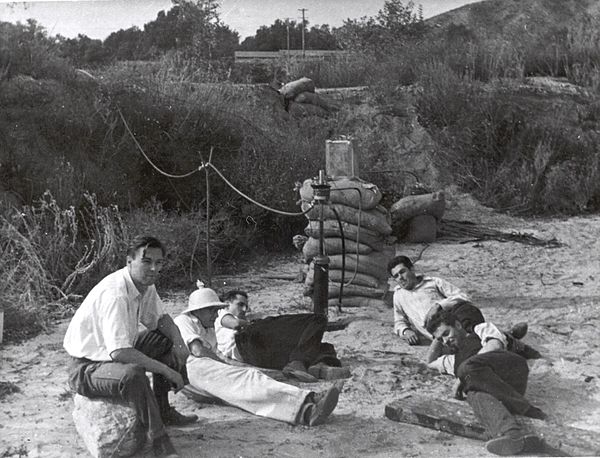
456 417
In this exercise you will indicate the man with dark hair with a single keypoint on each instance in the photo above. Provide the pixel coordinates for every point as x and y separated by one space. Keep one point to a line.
493 379
239 385
291 342
418 297
110 357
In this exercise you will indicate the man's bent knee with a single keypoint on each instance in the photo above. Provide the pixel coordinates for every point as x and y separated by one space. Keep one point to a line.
134 381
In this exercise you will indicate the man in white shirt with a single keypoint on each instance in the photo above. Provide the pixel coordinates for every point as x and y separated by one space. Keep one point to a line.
110 357
241 386
493 379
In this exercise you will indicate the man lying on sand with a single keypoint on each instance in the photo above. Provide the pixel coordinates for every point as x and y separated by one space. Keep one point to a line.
291 343
243 387
418 297
493 379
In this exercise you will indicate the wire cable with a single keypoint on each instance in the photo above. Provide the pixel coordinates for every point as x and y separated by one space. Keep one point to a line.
280 212
185 175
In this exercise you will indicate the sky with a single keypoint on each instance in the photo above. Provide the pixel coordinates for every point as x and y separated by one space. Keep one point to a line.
99 18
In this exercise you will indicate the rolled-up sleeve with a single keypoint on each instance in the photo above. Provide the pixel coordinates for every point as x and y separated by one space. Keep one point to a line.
188 329
452 294
444 364
117 331
401 322
487 331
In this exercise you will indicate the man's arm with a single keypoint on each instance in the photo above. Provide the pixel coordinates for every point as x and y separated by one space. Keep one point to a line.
167 327
133 356
452 294
231 322
491 337
199 350
402 325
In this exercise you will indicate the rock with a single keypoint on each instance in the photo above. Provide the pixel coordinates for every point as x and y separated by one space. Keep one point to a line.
109 428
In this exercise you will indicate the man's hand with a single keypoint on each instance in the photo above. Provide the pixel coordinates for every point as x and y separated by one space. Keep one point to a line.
410 336
458 390
175 378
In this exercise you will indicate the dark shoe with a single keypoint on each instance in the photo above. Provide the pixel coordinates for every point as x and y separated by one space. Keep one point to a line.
174 418
162 447
510 444
316 413
325 372
297 370
534 412
519 330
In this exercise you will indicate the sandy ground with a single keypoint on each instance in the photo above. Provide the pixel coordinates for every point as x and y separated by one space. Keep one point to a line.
554 289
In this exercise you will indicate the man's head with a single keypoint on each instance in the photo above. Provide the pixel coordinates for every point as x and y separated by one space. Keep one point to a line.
238 302
445 326
204 304
145 259
401 270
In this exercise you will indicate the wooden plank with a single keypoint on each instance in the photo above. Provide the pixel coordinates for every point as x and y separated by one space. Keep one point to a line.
456 417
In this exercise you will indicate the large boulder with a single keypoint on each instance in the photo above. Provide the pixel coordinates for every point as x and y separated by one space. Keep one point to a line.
109 428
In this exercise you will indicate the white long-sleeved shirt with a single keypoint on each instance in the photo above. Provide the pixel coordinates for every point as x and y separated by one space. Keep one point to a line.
485 331
411 306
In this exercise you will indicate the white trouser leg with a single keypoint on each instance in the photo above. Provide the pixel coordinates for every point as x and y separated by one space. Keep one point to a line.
246 388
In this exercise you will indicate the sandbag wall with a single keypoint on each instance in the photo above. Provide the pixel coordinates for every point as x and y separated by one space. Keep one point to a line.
416 218
365 226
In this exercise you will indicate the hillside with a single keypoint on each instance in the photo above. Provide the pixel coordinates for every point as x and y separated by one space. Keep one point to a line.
519 19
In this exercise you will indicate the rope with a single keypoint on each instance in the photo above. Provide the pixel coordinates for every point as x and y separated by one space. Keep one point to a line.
280 212
185 175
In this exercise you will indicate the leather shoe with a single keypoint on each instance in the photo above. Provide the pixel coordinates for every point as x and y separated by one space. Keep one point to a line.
317 412
511 443
174 418
297 370
519 330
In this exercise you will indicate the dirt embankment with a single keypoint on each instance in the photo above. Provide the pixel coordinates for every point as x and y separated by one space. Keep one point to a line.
554 289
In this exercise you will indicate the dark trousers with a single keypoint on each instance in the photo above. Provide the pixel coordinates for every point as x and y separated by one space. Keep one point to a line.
128 382
495 384
275 341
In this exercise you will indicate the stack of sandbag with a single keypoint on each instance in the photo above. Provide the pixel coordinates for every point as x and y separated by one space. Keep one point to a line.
300 99
415 219
365 225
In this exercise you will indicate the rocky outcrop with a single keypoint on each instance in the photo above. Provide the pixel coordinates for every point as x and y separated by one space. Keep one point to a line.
108 428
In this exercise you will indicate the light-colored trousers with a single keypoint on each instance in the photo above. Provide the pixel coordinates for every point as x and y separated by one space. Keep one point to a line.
246 388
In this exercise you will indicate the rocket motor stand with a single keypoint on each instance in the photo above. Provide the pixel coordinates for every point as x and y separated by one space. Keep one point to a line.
321 193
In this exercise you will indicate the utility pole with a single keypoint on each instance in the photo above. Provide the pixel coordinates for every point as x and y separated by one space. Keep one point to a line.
287 25
303 26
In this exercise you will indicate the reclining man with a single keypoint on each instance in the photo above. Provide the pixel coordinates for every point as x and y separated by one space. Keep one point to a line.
110 358
417 298
291 343
493 379
244 387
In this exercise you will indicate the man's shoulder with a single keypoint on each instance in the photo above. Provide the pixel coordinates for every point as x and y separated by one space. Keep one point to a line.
114 285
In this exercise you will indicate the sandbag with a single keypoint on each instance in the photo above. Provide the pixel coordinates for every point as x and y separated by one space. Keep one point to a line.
351 232
357 301
374 264
293 88
335 276
421 229
318 100
369 219
354 290
408 207
333 245
302 110
369 196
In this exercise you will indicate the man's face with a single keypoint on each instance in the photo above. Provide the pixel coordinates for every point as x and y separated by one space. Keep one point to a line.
451 336
145 265
238 306
207 316
404 276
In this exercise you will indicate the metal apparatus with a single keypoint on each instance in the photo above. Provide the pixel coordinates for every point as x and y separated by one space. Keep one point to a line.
321 193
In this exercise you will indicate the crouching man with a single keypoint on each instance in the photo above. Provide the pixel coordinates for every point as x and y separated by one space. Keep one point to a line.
240 386
110 357
493 379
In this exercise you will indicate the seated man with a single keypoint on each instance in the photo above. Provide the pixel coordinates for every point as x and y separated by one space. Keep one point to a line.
418 297
291 343
493 379
110 358
243 387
